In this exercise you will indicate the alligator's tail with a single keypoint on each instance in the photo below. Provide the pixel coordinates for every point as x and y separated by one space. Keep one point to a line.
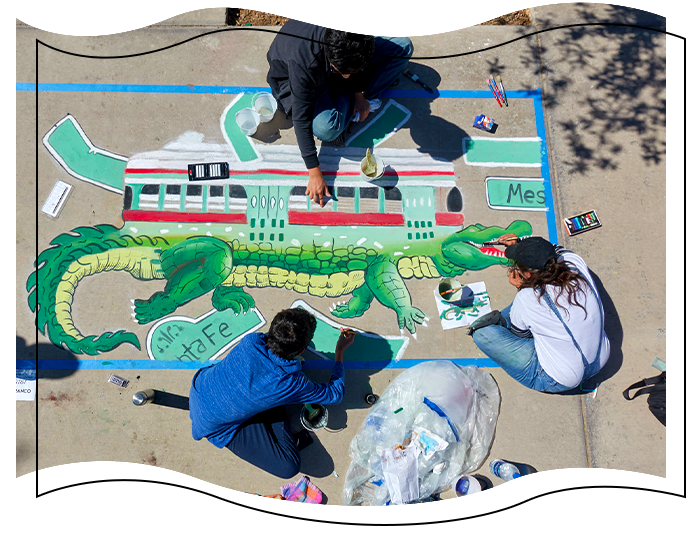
88 250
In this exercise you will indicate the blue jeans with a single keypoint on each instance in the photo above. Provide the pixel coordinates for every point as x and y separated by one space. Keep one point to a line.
333 116
266 441
516 356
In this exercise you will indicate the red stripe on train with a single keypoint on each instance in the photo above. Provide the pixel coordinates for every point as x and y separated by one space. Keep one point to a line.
342 218
294 217
182 217
388 172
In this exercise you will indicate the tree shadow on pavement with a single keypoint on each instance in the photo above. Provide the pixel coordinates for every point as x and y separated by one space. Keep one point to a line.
26 356
626 76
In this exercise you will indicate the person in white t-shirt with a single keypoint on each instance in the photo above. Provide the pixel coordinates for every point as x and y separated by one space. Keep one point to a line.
554 338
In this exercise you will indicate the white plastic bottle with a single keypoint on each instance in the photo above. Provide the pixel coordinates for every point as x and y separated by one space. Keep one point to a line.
504 470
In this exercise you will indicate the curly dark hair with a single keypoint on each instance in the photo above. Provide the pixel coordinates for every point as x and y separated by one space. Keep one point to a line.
559 274
291 332
348 52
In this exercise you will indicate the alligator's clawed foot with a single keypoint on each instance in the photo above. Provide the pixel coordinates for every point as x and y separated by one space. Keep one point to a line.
158 306
408 317
234 298
351 309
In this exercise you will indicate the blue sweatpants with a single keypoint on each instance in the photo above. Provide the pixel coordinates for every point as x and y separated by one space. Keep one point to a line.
266 441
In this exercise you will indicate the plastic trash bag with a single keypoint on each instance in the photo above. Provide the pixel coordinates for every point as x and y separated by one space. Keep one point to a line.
428 405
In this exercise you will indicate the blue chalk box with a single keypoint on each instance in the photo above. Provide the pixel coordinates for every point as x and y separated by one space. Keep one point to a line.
484 123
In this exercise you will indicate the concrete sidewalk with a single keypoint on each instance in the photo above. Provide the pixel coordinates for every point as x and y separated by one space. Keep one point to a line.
605 145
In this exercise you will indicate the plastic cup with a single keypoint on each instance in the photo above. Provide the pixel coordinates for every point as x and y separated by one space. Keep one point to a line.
248 120
379 165
265 104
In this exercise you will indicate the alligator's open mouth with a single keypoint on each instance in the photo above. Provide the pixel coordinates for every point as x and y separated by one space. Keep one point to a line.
489 249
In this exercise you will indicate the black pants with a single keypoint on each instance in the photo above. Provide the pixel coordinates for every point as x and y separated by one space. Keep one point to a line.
266 441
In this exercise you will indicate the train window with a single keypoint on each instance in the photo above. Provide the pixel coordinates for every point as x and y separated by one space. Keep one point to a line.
328 207
128 197
193 197
346 199
237 198
172 197
454 200
297 198
216 201
148 200
369 200
392 201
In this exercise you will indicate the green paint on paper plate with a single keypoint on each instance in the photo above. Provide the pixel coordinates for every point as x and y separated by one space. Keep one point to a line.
503 151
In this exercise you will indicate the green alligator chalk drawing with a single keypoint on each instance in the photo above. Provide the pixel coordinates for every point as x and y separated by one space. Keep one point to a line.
256 229
195 265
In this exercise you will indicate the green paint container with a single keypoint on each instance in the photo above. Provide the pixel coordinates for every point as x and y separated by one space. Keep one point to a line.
314 416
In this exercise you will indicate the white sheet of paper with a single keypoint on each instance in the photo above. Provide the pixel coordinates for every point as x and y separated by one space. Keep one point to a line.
25 385
452 316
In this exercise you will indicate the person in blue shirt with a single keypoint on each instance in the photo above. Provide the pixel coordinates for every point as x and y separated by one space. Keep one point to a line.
239 402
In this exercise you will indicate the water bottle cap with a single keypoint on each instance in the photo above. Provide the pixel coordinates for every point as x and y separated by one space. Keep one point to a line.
462 486
516 475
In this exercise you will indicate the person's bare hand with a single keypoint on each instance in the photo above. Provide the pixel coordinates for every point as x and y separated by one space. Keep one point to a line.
515 277
362 106
345 340
317 190
508 239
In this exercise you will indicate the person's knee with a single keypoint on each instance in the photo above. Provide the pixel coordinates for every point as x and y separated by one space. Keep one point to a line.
326 126
289 469
406 46
481 338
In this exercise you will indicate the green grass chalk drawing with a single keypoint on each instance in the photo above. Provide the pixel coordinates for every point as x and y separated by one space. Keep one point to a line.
503 152
198 340
366 347
71 148
386 122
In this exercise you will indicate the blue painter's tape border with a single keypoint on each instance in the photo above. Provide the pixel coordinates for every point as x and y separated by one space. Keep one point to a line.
535 95
544 169
142 364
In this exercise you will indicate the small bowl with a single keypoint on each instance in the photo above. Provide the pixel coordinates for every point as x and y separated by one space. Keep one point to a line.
380 168
266 105
463 297
248 120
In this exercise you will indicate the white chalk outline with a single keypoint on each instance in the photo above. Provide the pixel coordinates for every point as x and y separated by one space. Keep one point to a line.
529 179
194 321
376 117
303 304
92 150
498 164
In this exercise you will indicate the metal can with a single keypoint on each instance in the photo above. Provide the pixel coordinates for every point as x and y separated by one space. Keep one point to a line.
143 397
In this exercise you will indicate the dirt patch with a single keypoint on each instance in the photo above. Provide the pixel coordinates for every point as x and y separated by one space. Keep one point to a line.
392 13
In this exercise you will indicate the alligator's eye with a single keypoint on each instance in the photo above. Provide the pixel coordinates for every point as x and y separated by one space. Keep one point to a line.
253 201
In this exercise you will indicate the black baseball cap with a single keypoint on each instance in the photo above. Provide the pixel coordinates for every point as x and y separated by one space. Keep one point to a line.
531 252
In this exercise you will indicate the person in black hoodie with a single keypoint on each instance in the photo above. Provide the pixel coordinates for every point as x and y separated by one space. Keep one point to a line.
324 77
